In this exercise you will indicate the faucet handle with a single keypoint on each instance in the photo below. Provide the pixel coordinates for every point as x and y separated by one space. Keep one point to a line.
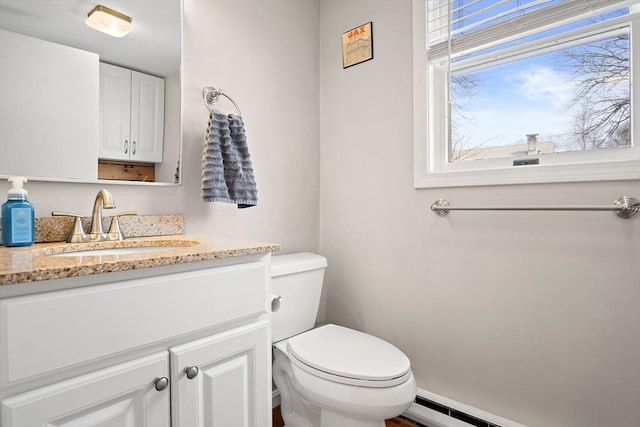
115 233
77 234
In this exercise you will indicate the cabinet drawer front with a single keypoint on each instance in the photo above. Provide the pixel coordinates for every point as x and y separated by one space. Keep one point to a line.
51 331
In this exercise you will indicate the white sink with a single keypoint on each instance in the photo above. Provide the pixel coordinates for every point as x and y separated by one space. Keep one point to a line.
117 251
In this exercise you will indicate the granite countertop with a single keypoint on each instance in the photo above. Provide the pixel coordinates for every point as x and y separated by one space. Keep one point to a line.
34 263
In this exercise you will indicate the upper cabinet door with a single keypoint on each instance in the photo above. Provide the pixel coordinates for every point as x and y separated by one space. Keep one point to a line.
115 112
147 117
124 395
223 380
48 108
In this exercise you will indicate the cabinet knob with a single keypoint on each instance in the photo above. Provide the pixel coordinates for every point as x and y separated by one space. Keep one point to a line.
126 146
133 147
192 372
161 383
275 303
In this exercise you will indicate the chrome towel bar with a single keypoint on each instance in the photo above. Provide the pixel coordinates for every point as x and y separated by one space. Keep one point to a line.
624 207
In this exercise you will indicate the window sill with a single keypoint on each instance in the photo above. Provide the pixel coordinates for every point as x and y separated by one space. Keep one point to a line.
534 174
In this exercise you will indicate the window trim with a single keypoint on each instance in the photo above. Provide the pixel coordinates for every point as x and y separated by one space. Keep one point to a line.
428 172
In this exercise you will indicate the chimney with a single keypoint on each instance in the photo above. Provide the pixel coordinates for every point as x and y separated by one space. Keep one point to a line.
532 141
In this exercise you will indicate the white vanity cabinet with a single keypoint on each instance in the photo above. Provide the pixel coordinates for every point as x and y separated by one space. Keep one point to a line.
178 348
131 125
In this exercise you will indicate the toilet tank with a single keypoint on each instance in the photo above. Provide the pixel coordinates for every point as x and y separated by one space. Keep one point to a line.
297 278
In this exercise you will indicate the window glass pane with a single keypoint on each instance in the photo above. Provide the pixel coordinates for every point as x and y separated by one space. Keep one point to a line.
573 99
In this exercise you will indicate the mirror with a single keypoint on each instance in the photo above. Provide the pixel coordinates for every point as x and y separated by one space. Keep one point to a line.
153 48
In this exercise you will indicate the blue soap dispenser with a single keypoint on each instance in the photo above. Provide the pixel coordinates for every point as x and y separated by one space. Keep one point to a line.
18 216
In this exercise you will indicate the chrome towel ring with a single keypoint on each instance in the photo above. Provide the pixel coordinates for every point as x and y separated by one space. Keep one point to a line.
211 95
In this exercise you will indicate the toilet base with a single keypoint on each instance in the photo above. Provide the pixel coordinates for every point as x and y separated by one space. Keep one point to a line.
310 401
328 419
331 419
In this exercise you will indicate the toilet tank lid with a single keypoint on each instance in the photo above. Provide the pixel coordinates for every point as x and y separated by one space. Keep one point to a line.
282 265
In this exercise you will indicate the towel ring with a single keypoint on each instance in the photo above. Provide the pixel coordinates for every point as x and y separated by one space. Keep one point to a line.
211 95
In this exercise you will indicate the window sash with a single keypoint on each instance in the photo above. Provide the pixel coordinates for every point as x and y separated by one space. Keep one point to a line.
574 38
441 47
438 24
546 44
441 74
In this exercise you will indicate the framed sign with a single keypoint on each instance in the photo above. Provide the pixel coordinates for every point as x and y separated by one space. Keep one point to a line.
357 45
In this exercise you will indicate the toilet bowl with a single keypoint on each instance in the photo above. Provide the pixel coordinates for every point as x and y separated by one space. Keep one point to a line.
330 376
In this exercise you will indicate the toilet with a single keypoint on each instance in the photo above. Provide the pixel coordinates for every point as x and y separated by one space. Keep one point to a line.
329 376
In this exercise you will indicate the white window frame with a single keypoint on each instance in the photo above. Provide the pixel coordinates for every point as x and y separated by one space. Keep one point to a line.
431 169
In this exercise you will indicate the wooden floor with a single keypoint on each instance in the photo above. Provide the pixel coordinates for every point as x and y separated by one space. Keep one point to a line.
396 422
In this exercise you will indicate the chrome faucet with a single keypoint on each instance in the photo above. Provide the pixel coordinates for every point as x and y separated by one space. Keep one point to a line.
103 199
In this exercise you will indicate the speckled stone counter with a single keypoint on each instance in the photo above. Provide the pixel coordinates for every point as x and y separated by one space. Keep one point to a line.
35 263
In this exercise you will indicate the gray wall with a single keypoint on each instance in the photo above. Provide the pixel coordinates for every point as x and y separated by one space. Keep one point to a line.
531 316
265 55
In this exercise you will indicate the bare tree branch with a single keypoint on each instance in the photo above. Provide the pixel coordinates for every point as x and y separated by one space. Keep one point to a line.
602 73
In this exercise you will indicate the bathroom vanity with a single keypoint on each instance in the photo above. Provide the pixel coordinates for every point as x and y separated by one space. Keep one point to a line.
98 340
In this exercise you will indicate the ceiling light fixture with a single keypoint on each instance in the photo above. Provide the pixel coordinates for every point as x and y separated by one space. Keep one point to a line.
109 21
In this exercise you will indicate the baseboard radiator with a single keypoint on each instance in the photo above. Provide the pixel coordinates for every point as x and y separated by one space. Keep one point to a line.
432 410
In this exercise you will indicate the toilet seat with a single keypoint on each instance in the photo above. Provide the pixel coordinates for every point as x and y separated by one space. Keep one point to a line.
350 357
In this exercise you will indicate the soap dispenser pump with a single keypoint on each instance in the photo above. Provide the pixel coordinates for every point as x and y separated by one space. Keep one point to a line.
18 216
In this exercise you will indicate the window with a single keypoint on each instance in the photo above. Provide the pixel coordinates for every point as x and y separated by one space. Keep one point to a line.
524 91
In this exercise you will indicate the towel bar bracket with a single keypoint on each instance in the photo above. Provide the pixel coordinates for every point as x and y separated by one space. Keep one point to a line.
441 207
629 206
624 207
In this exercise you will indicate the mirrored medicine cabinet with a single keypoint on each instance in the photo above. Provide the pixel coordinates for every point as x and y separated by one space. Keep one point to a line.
50 120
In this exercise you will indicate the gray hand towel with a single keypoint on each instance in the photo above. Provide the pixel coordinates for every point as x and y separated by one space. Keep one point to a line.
227 173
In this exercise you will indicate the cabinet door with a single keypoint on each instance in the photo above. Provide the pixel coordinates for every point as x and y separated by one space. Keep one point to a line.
115 112
48 108
124 395
233 382
147 117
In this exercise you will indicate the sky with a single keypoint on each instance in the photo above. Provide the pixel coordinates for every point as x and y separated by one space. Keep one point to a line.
520 98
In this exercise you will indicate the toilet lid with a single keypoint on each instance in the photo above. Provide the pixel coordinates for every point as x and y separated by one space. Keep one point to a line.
350 354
